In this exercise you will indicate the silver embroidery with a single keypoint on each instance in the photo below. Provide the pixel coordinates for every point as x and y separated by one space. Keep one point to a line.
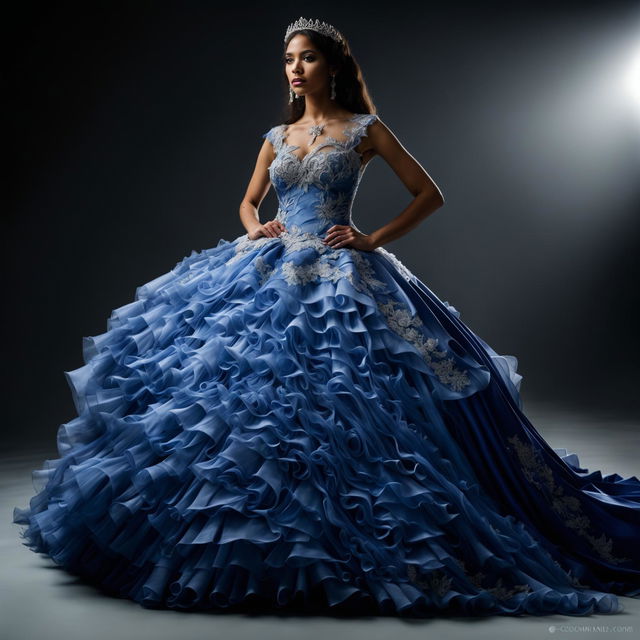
294 239
315 168
406 325
437 581
303 274
366 273
538 473
334 207
498 590
264 269
244 245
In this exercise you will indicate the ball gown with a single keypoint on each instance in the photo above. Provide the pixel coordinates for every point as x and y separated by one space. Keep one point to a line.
279 423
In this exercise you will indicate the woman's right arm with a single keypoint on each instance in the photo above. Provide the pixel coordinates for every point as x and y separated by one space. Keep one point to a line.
256 191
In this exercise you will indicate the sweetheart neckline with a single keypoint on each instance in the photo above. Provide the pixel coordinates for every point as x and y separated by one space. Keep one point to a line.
299 162
288 148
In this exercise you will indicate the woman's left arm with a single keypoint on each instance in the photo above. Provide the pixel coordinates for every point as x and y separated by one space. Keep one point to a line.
427 196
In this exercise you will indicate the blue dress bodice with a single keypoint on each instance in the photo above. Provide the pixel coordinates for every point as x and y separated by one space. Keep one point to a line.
317 191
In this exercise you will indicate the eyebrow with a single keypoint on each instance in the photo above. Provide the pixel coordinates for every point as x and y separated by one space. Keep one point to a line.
288 53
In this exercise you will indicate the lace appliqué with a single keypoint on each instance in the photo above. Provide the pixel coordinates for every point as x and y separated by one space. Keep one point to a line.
244 245
294 239
499 590
567 507
435 582
334 207
264 269
438 582
319 167
406 325
321 267
303 274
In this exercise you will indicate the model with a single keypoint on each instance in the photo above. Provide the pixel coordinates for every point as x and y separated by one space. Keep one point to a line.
294 419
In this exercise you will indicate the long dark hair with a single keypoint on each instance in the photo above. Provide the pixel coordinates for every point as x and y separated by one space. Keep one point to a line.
351 90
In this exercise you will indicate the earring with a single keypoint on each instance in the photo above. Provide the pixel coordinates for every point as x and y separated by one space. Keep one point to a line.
333 87
292 95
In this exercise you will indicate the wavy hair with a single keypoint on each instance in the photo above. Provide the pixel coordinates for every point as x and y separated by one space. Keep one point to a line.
351 90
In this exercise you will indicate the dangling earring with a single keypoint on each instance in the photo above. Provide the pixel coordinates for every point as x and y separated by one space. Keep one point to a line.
292 95
333 87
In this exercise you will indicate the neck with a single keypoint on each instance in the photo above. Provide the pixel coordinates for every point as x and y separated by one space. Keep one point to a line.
320 108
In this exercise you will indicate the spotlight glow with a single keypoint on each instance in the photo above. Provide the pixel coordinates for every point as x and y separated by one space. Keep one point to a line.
632 78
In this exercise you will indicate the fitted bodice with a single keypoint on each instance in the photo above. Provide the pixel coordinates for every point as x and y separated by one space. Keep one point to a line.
316 190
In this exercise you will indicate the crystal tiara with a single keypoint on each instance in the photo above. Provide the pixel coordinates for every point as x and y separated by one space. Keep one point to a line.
316 25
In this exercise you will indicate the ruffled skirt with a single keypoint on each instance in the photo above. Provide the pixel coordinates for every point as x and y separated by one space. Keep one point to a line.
245 442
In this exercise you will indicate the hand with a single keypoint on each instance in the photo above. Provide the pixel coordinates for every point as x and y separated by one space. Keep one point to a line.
341 235
270 229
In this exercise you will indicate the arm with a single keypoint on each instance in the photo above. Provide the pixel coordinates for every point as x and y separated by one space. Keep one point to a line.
427 196
256 191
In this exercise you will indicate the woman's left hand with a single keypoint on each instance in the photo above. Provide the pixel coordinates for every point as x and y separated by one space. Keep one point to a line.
341 235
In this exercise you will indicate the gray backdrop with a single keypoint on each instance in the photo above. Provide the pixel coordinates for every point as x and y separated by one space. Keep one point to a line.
136 125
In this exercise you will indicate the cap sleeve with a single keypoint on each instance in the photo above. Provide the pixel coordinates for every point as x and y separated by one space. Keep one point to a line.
360 130
272 136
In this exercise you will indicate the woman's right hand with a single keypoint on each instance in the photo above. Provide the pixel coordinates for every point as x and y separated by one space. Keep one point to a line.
270 229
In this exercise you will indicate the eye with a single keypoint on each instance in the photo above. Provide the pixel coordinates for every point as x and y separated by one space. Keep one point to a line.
307 58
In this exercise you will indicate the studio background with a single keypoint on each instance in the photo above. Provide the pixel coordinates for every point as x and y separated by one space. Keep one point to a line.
135 126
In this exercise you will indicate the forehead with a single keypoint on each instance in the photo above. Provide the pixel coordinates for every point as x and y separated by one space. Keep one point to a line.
299 42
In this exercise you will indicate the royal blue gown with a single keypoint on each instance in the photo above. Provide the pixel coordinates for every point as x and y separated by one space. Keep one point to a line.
278 423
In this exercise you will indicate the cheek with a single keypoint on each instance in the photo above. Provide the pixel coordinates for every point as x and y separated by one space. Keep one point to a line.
314 72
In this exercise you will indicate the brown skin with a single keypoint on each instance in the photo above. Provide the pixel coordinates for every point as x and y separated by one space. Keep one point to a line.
313 67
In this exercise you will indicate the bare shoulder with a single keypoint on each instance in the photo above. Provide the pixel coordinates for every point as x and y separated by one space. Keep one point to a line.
378 130
382 139
376 133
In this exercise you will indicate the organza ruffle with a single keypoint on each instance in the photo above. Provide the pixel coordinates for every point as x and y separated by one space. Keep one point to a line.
241 442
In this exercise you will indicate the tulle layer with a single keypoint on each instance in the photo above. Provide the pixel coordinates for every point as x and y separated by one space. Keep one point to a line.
246 442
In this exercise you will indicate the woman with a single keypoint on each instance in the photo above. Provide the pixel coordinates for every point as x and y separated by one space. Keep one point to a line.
294 419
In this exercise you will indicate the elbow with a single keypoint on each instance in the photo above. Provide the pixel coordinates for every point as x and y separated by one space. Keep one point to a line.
433 197
437 198
429 193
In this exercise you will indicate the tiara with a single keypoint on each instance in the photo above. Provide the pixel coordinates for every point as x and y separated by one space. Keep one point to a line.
316 25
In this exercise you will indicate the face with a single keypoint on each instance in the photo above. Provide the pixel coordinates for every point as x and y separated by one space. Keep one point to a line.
302 60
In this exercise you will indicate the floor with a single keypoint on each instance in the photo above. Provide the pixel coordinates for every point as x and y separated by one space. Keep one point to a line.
38 600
